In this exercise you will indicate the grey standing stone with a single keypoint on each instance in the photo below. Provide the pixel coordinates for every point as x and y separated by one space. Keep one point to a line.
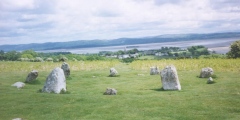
169 78
113 72
154 70
32 76
110 91
66 69
55 82
206 72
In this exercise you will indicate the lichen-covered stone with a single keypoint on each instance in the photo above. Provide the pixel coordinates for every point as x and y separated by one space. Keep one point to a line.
169 78
110 91
154 70
32 76
55 82
113 72
206 72
66 69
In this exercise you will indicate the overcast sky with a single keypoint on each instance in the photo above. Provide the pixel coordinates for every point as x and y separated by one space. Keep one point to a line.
38 21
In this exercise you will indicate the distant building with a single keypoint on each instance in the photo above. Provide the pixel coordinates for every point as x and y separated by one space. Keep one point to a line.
123 56
210 51
161 54
134 55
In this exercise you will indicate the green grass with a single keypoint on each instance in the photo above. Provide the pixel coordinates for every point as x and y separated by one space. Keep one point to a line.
138 97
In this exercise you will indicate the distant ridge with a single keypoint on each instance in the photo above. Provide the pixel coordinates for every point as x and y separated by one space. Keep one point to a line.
120 41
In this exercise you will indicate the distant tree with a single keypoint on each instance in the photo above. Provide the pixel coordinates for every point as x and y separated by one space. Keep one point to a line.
234 50
26 56
170 54
135 50
30 52
12 55
108 53
176 54
2 55
120 52
188 54
198 50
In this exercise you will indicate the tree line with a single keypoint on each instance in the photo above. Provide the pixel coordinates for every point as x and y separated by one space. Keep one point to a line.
32 56
195 51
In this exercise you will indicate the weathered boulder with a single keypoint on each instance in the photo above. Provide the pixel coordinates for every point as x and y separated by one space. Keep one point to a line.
66 69
113 72
210 80
32 76
169 78
19 85
56 81
110 91
154 70
206 72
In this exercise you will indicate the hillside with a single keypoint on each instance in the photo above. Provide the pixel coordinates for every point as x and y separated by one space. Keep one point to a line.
120 41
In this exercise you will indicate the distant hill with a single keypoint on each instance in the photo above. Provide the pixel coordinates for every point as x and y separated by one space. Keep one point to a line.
120 41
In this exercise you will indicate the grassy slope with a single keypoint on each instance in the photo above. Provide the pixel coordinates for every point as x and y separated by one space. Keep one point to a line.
139 97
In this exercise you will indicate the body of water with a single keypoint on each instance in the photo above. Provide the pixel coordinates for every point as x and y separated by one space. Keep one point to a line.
218 45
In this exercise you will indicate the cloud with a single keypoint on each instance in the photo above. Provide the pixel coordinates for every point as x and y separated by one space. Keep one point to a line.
62 20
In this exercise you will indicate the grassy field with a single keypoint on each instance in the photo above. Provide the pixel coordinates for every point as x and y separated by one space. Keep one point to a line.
139 97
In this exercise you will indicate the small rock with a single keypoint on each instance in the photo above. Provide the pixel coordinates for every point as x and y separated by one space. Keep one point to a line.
210 80
110 91
17 119
19 85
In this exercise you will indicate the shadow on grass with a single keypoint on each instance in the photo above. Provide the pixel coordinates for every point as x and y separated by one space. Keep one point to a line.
69 78
35 82
161 89
113 75
158 89
211 82
61 92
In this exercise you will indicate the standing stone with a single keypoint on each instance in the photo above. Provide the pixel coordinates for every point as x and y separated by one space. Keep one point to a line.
154 70
210 80
32 76
55 82
113 72
110 91
206 72
19 85
169 78
66 69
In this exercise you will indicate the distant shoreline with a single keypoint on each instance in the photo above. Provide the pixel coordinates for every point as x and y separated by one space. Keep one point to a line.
218 45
